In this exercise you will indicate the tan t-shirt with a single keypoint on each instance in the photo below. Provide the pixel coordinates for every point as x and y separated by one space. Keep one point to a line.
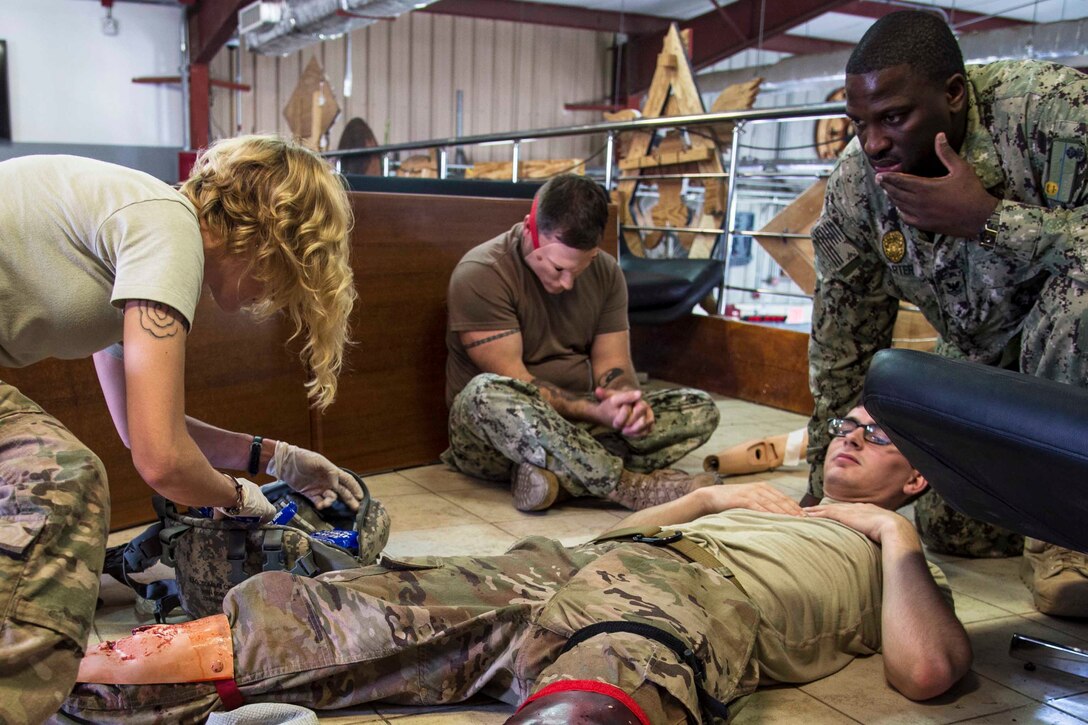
492 288
78 237
818 590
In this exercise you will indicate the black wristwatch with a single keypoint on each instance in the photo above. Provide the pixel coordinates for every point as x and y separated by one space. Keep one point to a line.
254 456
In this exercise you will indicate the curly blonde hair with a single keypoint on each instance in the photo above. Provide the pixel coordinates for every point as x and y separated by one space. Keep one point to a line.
284 210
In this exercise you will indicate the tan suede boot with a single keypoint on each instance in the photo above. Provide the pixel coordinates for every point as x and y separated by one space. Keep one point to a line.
1057 578
642 490
535 488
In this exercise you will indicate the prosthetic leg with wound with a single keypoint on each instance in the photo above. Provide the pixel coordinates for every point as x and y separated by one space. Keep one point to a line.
197 651
761 454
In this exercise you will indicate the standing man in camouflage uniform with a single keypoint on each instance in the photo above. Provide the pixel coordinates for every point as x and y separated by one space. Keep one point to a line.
607 630
539 378
964 193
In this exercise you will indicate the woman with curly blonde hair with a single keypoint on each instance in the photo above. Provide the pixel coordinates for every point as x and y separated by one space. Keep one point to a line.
277 209
103 261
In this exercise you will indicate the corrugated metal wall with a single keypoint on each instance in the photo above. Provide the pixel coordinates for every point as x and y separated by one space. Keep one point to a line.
406 74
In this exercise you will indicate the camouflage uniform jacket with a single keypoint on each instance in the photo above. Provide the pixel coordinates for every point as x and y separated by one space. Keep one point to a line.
1026 127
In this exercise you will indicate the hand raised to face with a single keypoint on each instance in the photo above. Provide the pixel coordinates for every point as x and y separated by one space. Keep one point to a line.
955 204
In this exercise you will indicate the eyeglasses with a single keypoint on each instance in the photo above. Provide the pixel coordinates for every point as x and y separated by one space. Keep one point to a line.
842 427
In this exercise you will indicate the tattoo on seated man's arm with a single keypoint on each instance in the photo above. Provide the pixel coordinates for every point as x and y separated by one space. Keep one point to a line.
159 320
485 340
553 390
609 377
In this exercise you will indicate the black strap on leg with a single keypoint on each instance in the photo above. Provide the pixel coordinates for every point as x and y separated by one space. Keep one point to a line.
686 654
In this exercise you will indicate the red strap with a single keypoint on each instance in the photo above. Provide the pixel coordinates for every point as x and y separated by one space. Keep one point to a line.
534 231
602 688
229 693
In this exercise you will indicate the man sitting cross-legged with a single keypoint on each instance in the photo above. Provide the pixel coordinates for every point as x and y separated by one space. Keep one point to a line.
539 379
738 590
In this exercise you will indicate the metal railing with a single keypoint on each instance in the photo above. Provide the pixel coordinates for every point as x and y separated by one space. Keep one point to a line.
515 138
739 119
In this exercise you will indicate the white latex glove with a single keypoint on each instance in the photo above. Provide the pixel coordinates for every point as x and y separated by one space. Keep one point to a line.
314 476
254 503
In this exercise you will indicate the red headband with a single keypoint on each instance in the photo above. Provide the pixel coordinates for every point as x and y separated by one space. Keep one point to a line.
534 233
602 688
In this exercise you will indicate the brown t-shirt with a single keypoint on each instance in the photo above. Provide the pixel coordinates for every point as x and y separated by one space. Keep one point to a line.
492 288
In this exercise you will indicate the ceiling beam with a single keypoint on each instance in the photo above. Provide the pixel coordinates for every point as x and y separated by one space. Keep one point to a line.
564 16
723 32
738 26
210 26
803 45
961 20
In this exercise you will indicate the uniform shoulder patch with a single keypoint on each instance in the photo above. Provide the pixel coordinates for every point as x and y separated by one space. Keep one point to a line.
834 250
1067 165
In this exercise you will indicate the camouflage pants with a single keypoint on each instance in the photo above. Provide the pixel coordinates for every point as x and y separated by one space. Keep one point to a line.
498 422
436 631
54 512
1053 345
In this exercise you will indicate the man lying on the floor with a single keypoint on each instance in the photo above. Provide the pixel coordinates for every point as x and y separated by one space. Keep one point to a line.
757 590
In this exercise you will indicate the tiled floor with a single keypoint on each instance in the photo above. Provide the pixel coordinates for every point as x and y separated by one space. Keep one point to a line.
437 511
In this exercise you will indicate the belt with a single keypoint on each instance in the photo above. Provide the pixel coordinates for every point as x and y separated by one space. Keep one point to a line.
674 541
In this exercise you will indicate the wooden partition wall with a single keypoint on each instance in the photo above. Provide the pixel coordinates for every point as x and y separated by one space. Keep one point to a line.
759 363
390 411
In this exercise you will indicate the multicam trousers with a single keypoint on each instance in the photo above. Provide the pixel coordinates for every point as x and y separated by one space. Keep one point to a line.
497 423
436 631
54 513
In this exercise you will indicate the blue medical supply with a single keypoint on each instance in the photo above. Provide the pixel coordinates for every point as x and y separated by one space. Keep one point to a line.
345 539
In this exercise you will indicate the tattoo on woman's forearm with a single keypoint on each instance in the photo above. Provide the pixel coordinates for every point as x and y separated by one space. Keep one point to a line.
609 376
158 319
492 338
